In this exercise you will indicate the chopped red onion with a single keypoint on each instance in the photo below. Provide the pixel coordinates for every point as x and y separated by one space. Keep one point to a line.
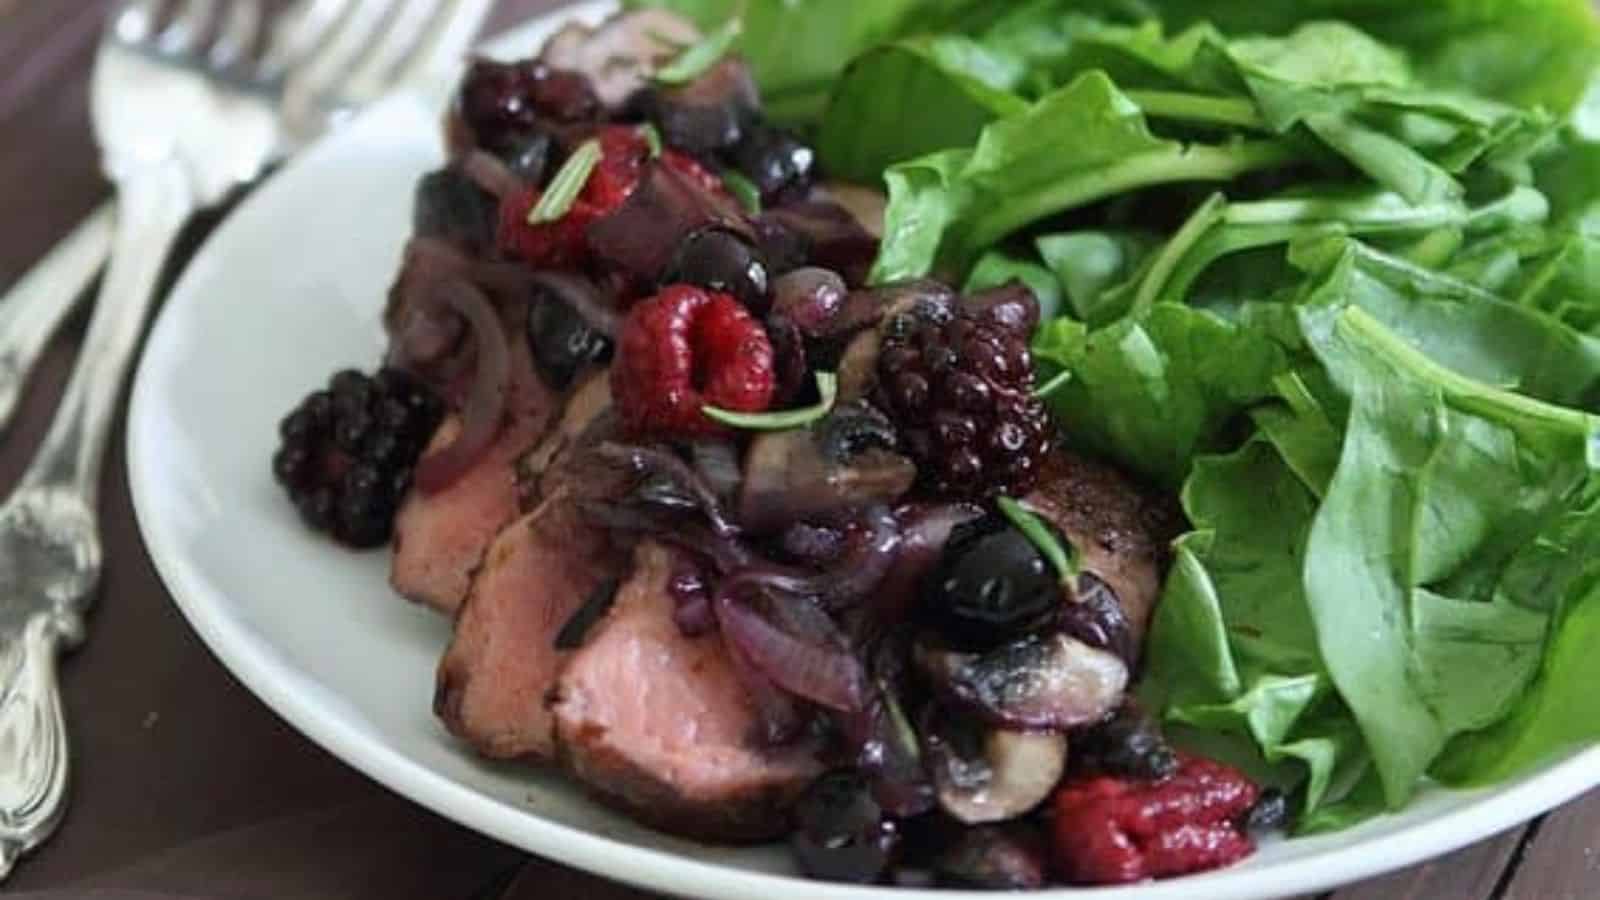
491 173
486 400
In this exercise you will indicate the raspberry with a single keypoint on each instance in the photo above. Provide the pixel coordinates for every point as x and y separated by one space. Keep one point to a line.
546 245
960 388
562 243
682 349
1114 830
346 453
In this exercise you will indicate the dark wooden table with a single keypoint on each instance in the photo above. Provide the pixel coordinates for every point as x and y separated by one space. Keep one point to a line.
186 785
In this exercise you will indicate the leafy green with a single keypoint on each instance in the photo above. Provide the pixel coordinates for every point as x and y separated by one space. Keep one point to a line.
796 48
1441 481
1331 269
1153 391
1076 145
877 114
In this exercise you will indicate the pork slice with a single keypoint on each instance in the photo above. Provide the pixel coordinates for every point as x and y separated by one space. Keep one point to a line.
660 725
439 538
502 660
583 416
1120 531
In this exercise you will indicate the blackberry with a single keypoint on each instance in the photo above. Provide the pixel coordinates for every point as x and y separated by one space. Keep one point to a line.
506 104
345 454
959 387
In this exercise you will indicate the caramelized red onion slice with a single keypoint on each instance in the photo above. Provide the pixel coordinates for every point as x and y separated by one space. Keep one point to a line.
486 399
582 295
795 644
924 529
491 173
663 464
847 580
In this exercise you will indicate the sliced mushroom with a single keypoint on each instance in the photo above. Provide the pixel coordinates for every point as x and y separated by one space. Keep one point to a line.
841 464
619 54
995 775
1040 681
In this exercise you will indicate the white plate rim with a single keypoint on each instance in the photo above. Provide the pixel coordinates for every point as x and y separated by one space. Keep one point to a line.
265 673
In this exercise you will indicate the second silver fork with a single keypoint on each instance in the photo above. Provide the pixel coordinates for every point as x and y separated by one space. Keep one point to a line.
183 113
359 50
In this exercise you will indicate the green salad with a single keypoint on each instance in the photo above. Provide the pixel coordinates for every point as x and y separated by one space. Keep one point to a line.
1331 271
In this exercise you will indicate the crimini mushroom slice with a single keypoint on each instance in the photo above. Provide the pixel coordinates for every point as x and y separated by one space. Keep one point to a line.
840 465
1037 682
995 775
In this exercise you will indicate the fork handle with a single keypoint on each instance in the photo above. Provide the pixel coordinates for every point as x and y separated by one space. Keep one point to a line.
34 307
33 737
153 202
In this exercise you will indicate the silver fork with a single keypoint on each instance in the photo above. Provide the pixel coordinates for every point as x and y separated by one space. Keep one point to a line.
379 45
183 113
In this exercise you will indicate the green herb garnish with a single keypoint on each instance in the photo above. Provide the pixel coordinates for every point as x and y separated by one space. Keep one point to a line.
697 58
1035 530
743 190
827 386
1054 384
567 183
652 138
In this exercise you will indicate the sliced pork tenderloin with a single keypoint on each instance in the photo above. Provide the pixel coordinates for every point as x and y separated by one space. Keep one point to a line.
661 726
439 537
493 683
1121 532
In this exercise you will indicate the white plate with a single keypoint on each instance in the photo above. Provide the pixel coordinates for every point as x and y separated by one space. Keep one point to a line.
288 290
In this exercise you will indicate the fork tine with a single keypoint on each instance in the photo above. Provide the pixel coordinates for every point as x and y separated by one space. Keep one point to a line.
136 20
313 78
445 42
368 76
300 33
237 37
190 26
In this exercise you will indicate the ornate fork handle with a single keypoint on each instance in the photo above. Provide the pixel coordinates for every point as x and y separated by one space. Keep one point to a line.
33 737
49 523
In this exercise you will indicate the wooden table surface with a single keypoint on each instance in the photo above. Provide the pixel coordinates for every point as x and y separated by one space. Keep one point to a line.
186 784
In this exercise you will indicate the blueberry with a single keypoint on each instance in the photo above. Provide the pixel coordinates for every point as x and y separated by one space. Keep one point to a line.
991 584
720 260
562 341
841 834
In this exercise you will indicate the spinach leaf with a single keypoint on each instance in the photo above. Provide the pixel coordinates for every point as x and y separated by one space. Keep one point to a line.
1437 472
797 49
1081 143
1153 391
1097 269
878 113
